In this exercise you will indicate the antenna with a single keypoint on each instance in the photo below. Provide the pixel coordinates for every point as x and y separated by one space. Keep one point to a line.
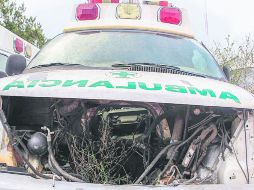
206 21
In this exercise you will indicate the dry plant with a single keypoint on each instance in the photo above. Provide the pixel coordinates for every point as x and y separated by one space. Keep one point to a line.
101 161
239 58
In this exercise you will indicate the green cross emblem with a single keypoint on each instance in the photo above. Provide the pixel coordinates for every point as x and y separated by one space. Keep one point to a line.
123 74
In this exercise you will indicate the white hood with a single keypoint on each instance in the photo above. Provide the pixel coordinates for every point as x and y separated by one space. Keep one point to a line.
127 86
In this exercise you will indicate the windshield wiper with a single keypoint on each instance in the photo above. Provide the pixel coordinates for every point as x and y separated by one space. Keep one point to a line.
54 64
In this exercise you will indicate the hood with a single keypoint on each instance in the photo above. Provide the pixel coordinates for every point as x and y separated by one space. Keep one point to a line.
127 86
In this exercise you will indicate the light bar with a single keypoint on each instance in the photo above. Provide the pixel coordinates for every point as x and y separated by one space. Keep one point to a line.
128 11
88 11
18 45
170 15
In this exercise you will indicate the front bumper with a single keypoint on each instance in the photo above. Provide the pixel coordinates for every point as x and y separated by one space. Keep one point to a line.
20 182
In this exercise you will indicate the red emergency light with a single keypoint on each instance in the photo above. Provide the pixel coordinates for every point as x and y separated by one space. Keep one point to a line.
163 3
88 11
171 15
18 45
103 1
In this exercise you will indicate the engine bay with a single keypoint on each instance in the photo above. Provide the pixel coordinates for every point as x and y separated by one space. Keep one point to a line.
117 142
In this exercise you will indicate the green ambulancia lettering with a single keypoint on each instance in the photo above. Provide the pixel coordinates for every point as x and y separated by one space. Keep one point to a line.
203 92
15 84
176 88
50 83
33 83
106 84
143 86
131 85
228 95
80 83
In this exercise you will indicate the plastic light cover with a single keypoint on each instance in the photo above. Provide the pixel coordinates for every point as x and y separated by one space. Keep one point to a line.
128 11
89 11
28 51
163 3
104 1
18 45
171 15
95 1
114 1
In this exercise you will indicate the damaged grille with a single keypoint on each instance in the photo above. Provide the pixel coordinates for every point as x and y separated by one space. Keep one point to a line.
118 142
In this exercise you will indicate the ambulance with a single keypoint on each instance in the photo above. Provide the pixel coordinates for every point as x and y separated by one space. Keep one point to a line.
12 44
125 98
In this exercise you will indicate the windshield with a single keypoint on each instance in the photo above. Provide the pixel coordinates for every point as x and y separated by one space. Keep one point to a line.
104 49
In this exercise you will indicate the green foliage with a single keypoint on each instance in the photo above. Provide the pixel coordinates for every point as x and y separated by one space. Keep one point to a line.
239 58
13 18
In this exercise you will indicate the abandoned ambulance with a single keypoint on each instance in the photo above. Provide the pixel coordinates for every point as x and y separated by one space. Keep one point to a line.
11 44
125 98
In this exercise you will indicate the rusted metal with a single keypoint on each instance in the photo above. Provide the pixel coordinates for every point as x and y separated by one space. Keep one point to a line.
7 154
202 142
178 128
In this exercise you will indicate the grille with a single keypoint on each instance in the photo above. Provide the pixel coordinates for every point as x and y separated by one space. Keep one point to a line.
160 69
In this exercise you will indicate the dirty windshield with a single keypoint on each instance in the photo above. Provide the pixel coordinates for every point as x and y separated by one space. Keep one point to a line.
104 49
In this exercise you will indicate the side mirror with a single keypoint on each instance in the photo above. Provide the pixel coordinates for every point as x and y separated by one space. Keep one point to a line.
15 65
226 72
3 74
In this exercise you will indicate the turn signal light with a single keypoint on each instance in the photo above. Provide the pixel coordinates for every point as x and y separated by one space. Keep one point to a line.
171 15
89 11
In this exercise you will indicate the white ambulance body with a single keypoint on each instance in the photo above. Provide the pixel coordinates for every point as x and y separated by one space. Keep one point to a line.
125 98
10 44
